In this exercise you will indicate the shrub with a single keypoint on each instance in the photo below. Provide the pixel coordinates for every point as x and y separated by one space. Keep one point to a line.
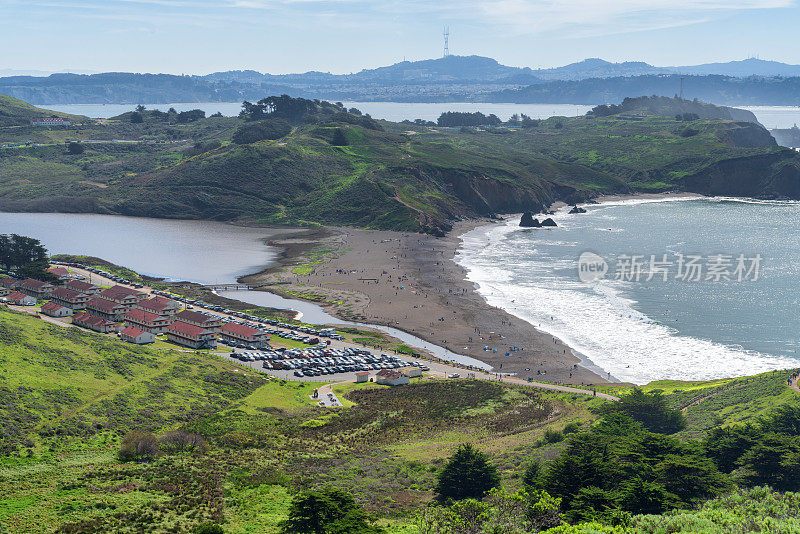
553 436
649 409
328 511
139 446
259 131
208 528
182 441
467 474
75 148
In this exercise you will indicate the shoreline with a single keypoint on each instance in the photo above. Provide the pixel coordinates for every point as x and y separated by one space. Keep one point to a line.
363 300
412 283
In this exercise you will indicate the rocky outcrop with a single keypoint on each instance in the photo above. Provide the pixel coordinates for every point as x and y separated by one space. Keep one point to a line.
548 222
528 221
577 209
770 176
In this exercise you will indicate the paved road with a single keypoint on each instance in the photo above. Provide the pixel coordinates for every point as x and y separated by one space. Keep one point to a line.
436 369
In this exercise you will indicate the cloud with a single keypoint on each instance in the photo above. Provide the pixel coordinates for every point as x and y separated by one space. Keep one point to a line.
615 16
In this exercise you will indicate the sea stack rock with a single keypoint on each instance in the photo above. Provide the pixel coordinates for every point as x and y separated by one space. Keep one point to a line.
549 222
528 221
576 209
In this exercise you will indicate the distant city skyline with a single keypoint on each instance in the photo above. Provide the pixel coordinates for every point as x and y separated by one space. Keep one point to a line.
342 36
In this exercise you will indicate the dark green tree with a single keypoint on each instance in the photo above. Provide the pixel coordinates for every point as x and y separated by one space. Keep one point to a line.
75 148
24 257
339 139
726 445
773 461
136 118
328 511
467 474
649 409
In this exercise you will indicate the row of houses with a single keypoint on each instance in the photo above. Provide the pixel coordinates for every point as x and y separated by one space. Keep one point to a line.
135 315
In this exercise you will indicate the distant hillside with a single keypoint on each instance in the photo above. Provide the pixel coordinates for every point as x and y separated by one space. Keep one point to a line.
670 107
14 112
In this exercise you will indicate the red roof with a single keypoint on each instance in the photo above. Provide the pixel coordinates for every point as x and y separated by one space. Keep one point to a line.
120 293
131 331
239 330
78 285
16 295
186 329
157 304
389 373
195 317
8 282
51 306
58 271
103 305
141 316
65 293
34 285
89 319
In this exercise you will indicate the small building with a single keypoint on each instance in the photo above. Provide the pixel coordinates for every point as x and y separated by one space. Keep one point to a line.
9 282
36 288
412 371
83 287
70 298
131 334
54 309
159 305
144 320
93 322
51 121
4 291
107 309
362 376
20 299
391 377
61 272
191 336
202 320
122 295
239 333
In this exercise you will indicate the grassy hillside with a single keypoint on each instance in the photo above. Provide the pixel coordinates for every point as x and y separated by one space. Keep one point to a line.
341 169
14 112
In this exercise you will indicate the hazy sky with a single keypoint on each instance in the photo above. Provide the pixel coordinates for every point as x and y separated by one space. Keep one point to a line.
279 36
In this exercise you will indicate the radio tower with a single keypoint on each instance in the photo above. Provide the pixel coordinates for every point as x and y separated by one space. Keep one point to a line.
446 35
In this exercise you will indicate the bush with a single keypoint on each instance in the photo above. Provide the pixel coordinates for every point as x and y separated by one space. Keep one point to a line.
468 474
182 441
649 409
139 446
208 528
553 436
328 511
259 131
75 148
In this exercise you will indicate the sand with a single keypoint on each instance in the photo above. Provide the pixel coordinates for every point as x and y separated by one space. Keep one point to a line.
410 282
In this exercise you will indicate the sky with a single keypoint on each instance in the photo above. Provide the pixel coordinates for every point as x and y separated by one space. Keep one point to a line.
342 36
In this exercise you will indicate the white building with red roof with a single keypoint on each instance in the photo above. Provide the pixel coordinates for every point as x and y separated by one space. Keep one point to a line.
199 319
53 309
391 377
93 322
9 282
239 333
70 298
147 321
131 334
61 272
83 287
36 288
159 305
122 295
20 299
107 309
191 336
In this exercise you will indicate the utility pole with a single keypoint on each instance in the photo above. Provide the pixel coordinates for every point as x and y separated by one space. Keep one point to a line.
682 78
446 35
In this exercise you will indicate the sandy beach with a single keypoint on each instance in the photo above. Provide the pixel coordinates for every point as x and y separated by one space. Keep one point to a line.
410 282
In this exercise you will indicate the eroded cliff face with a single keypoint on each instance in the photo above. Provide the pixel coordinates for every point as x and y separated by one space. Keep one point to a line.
770 176
747 135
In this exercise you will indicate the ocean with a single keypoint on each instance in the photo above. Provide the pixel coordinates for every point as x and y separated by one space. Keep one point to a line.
722 298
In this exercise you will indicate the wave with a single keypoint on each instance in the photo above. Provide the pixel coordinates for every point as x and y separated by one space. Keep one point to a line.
598 322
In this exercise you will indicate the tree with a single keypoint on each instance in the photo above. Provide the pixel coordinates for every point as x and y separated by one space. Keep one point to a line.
467 474
259 131
75 148
24 257
650 409
191 116
726 445
339 139
208 528
773 461
138 445
136 118
140 108
328 511
532 478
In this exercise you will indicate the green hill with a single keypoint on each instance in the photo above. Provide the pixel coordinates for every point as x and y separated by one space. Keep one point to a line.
338 168
15 112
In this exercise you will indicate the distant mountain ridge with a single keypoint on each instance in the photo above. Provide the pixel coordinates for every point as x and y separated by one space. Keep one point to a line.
447 79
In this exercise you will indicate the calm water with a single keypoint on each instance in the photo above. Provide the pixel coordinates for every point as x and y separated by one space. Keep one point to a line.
196 251
769 116
647 330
